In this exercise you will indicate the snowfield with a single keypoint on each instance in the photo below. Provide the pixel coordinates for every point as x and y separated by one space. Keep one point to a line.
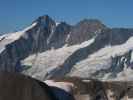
51 59
48 62
11 37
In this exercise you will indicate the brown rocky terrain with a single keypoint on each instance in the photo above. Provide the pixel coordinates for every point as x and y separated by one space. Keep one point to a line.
88 89
14 86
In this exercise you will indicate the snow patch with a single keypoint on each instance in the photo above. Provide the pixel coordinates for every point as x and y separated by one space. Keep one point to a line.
51 35
30 27
57 23
17 35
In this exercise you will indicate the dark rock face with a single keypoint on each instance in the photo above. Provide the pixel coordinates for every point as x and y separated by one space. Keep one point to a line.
42 31
59 36
115 36
35 41
84 30
14 86
45 22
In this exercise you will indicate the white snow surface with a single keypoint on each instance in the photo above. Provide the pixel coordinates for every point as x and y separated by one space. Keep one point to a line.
57 23
51 59
17 35
11 37
101 59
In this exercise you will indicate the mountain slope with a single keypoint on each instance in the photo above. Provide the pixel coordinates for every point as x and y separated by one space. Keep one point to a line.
88 49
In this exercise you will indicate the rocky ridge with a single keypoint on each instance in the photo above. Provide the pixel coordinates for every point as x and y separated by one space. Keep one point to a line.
48 49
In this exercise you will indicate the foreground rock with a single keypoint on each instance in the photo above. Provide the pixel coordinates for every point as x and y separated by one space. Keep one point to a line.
87 89
14 86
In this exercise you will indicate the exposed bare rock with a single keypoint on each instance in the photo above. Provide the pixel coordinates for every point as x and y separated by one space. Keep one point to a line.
16 86
89 89
85 30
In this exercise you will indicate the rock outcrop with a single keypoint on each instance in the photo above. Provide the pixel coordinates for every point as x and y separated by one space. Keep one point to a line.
89 89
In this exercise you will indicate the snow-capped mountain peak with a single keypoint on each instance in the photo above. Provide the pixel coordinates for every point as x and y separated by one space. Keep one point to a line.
88 49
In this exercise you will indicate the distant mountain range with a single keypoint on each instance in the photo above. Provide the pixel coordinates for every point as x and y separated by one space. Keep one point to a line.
49 49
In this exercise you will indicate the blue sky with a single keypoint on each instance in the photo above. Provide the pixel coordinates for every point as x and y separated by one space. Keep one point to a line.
17 14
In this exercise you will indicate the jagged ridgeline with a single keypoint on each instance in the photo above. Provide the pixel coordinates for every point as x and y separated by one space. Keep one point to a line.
49 49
